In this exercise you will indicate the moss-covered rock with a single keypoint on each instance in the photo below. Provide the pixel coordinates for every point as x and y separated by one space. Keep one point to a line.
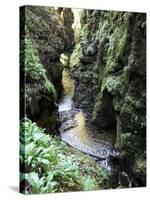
43 38
110 74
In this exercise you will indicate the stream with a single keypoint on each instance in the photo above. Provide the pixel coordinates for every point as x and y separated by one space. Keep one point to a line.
77 131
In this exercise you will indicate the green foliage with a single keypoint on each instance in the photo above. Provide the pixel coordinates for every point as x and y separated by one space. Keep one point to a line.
35 146
83 34
125 137
29 60
34 181
52 166
127 143
74 59
140 165
113 84
31 64
90 183
49 86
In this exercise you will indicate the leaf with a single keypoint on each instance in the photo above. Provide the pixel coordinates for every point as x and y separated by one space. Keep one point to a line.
34 181
37 136
38 150
29 149
90 183
22 177
29 159
50 176
22 149
45 161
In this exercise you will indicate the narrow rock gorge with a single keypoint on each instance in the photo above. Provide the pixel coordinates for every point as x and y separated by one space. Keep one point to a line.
83 81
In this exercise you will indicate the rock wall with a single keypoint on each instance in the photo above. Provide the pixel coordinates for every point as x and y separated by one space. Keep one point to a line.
109 67
43 39
67 19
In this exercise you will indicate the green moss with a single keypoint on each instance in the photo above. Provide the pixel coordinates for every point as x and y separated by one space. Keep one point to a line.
74 59
42 26
32 67
49 85
113 85
125 139
140 166
102 31
84 32
30 62
121 45
119 67
113 67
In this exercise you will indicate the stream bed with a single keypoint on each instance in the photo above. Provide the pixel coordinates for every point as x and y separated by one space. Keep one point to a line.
77 130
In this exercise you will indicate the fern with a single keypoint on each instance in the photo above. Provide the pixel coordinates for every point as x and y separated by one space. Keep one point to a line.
49 86
30 63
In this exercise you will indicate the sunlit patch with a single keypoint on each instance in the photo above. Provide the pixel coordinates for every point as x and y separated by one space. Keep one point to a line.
68 86
64 59
68 83
77 23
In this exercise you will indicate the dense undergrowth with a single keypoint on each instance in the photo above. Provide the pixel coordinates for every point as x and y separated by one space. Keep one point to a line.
49 165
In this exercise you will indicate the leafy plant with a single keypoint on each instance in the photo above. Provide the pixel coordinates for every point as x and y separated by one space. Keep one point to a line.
30 60
90 183
52 166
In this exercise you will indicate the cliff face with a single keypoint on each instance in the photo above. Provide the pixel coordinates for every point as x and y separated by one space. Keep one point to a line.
109 66
67 19
43 38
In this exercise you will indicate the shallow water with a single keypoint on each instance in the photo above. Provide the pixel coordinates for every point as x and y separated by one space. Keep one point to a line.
66 102
78 132
88 140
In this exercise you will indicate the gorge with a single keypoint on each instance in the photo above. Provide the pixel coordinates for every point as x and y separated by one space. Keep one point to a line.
83 79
